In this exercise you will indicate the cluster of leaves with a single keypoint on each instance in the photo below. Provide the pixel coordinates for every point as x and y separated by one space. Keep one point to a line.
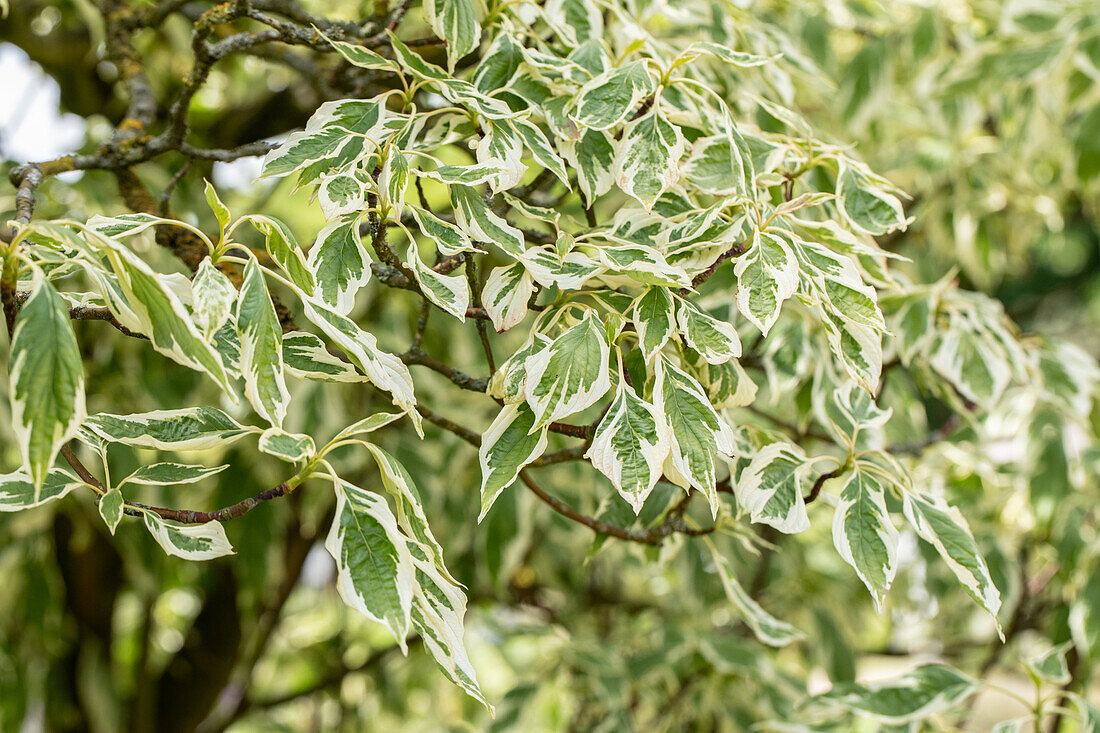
653 225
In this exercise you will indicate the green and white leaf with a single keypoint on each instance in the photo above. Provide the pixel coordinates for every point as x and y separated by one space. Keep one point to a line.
766 276
511 442
928 690
767 628
111 508
169 474
449 292
606 100
455 21
212 298
482 224
647 161
770 487
867 206
46 378
195 428
592 156
449 240
305 357
696 432
864 535
654 317
944 528
570 374
284 250
339 261
261 348
189 541
18 491
630 446
506 294
374 569
716 341
291 447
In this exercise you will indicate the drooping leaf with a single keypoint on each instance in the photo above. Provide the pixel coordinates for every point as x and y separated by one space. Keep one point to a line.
506 294
509 444
569 374
291 447
196 428
770 487
189 541
18 492
261 348
863 533
765 627
339 262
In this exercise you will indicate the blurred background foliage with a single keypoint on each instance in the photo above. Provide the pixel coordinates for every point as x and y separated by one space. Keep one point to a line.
986 113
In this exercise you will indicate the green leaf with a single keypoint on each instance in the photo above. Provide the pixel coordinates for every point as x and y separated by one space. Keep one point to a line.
18 492
291 447
384 370
654 320
630 446
261 348
767 629
455 21
647 161
766 276
864 535
508 445
449 292
374 569
606 100
945 529
868 207
506 294
168 474
213 298
716 341
928 690
770 487
196 428
111 506
570 374
46 376
305 357
189 541
340 262
695 430
482 224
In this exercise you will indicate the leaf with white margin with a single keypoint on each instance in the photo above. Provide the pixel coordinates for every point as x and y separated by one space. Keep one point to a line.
508 382
284 250
642 264
541 150
189 541
770 487
765 627
384 370
455 21
368 425
46 377
362 56
448 239
944 528
506 294
410 510
928 690
449 292
112 508
577 20
695 430
438 607
305 357
592 157
858 349
340 194
477 219
654 319
864 535
501 147
739 59
1051 665
570 374
976 367
630 446
146 305
716 341
508 445
195 428
374 569
169 473
291 447
18 492
466 175
728 385
867 206
766 276
212 299
851 409
606 100
720 165
327 133
261 348
647 161
339 261
567 273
